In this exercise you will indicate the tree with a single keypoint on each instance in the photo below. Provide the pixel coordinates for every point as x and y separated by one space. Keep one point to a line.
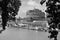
42 1
53 9
9 8
13 7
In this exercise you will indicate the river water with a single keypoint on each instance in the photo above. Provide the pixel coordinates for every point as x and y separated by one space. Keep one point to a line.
23 34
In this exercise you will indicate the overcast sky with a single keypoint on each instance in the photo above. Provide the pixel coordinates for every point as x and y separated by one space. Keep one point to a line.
29 4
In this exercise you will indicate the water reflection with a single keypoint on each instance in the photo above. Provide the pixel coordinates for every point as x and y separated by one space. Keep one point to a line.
23 34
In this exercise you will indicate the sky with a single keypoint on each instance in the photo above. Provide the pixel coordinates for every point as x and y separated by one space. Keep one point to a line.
28 5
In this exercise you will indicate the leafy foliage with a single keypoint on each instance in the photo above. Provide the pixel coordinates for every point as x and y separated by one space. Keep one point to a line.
9 9
13 7
52 10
